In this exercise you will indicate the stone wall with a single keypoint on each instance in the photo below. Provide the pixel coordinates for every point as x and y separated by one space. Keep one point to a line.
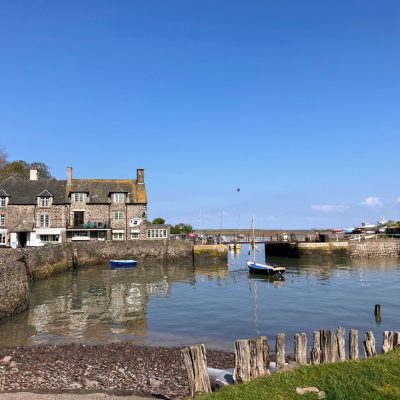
13 288
374 249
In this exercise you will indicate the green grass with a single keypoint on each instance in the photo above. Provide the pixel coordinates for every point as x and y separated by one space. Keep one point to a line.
372 379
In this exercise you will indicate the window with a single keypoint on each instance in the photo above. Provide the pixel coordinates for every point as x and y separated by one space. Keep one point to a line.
2 238
3 201
118 197
156 233
79 197
49 238
44 201
118 215
44 221
2 220
118 236
135 235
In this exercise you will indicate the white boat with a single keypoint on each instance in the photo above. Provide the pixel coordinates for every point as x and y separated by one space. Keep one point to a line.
258 268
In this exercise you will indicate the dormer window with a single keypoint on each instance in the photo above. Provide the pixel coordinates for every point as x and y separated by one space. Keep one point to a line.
79 197
45 201
118 197
3 201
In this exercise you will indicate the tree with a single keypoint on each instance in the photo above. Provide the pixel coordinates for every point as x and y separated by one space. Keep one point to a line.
181 228
3 158
43 170
21 168
159 221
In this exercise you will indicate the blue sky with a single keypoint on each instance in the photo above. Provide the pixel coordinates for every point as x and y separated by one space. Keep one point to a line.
295 102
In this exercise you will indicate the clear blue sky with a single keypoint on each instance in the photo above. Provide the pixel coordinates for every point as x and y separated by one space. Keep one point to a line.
295 102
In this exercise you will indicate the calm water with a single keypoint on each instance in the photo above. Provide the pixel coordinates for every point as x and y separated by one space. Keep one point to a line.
172 305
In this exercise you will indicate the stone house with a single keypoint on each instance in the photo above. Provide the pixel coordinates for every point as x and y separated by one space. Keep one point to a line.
36 212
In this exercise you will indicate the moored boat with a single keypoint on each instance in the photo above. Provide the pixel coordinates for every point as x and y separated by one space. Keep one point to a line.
258 268
123 263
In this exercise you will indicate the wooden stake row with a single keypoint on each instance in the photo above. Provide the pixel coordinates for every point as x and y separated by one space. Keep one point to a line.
252 356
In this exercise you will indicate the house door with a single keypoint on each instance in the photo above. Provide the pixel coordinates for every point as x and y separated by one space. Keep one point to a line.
22 237
78 219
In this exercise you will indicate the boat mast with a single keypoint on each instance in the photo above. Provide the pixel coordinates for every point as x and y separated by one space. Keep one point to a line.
254 242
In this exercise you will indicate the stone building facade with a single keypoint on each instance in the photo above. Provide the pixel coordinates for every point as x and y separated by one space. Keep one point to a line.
38 212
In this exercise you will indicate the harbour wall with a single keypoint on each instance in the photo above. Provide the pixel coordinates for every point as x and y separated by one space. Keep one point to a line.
20 267
363 249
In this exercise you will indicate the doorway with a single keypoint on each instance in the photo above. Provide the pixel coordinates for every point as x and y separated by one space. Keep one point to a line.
22 238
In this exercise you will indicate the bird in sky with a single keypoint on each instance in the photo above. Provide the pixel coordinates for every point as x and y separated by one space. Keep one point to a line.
238 189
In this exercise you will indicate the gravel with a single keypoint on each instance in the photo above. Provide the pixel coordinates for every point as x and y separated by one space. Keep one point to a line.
118 369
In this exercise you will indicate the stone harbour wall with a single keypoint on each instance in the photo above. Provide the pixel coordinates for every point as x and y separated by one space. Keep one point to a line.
14 290
375 249
19 267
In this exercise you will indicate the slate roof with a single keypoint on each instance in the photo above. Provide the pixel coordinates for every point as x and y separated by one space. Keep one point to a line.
25 192
100 190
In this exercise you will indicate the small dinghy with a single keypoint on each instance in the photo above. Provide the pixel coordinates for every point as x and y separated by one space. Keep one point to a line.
257 268
123 264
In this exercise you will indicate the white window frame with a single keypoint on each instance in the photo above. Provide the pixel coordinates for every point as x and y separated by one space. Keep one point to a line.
119 198
2 220
49 238
3 201
79 197
45 202
135 235
118 236
44 221
119 215
157 233
2 238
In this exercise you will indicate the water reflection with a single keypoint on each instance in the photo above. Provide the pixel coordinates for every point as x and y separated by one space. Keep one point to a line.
178 304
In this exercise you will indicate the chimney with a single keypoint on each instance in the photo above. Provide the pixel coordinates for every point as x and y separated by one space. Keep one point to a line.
140 176
33 173
69 176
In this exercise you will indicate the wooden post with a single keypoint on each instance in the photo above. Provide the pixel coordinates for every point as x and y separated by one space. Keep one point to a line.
75 259
241 372
300 348
194 358
353 344
369 345
377 313
315 355
329 346
341 343
388 338
396 339
280 350
259 357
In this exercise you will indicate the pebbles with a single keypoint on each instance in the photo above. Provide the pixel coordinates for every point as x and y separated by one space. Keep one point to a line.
117 367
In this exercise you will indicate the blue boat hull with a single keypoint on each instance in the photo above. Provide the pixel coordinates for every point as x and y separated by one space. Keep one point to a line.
123 264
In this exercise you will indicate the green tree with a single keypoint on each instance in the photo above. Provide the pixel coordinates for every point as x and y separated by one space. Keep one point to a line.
21 168
181 228
159 221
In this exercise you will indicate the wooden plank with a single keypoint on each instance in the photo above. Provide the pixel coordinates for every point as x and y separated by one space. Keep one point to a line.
241 371
300 348
353 344
195 360
369 345
388 338
315 356
280 350
341 343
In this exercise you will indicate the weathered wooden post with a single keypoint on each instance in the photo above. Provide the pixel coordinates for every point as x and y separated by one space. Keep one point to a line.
377 313
280 350
388 339
341 343
329 346
369 345
251 359
353 344
396 339
259 357
300 348
195 360
75 259
315 355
